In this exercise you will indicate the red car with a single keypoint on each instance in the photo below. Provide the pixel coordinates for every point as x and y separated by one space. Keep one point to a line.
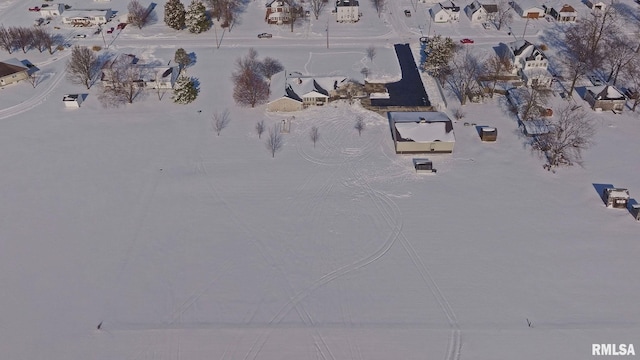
110 31
466 41
121 26
35 8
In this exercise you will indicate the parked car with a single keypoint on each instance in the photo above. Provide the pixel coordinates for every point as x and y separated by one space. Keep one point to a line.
38 21
466 41
407 13
265 36
110 30
98 31
121 26
595 80
81 36
424 40
35 8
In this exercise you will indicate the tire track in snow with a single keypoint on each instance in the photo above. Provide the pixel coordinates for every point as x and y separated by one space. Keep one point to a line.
33 101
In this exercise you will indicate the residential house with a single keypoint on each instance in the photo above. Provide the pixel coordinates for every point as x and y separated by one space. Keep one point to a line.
444 12
86 17
535 127
530 63
478 12
293 91
421 132
52 10
278 12
563 13
12 71
605 97
347 11
528 8
150 76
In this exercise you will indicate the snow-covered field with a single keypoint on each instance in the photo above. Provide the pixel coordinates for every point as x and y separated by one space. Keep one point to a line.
187 245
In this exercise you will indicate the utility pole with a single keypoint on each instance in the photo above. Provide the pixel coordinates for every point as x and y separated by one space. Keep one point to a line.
215 30
103 40
327 34
525 27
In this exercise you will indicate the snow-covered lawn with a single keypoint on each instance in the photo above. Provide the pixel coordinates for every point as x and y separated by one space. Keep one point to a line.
187 245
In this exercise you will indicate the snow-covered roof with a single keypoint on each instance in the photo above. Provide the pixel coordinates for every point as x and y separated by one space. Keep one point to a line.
528 4
347 3
606 92
424 126
537 127
295 85
524 49
618 193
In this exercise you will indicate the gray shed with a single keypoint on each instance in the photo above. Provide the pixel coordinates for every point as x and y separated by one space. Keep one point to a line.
423 166
635 211
488 133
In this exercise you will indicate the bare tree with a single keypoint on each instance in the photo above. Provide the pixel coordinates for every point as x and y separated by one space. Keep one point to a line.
250 88
632 76
619 54
275 140
270 66
465 71
124 82
33 78
6 39
314 134
360 125
41 38
317 6
182 58
571 132
137 14
379 6
371 52
295 12
22 36
496 66
504 14
83 66
220 120
260 128
532 101
365 72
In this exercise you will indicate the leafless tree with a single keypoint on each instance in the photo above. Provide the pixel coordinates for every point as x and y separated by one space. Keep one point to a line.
40 36
260 128
504 14
275 140
317 6
465 71
6 39
632 76
22 36
371 52
33 78
220 120
495 67
225 10
314 134
137 14
572 131
83 66
360 125
295 12
379 6
619 54
250 88
458 114
124 82
270 66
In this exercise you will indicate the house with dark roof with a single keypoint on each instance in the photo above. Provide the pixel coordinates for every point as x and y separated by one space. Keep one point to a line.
293 91
12 71
605 97
479 12
445 11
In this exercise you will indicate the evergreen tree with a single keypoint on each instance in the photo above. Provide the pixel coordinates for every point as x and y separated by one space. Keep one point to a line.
174 14
185 90
196 18
182 58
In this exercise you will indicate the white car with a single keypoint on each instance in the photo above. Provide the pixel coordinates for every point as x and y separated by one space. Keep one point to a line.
81 36
595 80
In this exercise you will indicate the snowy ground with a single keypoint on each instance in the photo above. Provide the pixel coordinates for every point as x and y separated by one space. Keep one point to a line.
186 245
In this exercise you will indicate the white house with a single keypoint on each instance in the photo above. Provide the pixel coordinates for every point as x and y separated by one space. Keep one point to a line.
476 12
86 17
278 12
596 5
347 11
564 13
445 12
52 10
12 71
528 8
293 91
421 132
530 62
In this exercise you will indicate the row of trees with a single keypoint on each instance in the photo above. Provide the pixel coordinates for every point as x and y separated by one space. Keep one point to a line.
251 78
25 38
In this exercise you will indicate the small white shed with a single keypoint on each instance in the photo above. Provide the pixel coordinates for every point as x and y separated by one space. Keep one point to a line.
72 100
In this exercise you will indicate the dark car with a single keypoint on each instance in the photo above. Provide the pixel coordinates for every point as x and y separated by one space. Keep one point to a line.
407 13
121 26
265 36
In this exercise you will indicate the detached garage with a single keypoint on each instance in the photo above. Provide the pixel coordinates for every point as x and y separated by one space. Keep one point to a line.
422 132
528 9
